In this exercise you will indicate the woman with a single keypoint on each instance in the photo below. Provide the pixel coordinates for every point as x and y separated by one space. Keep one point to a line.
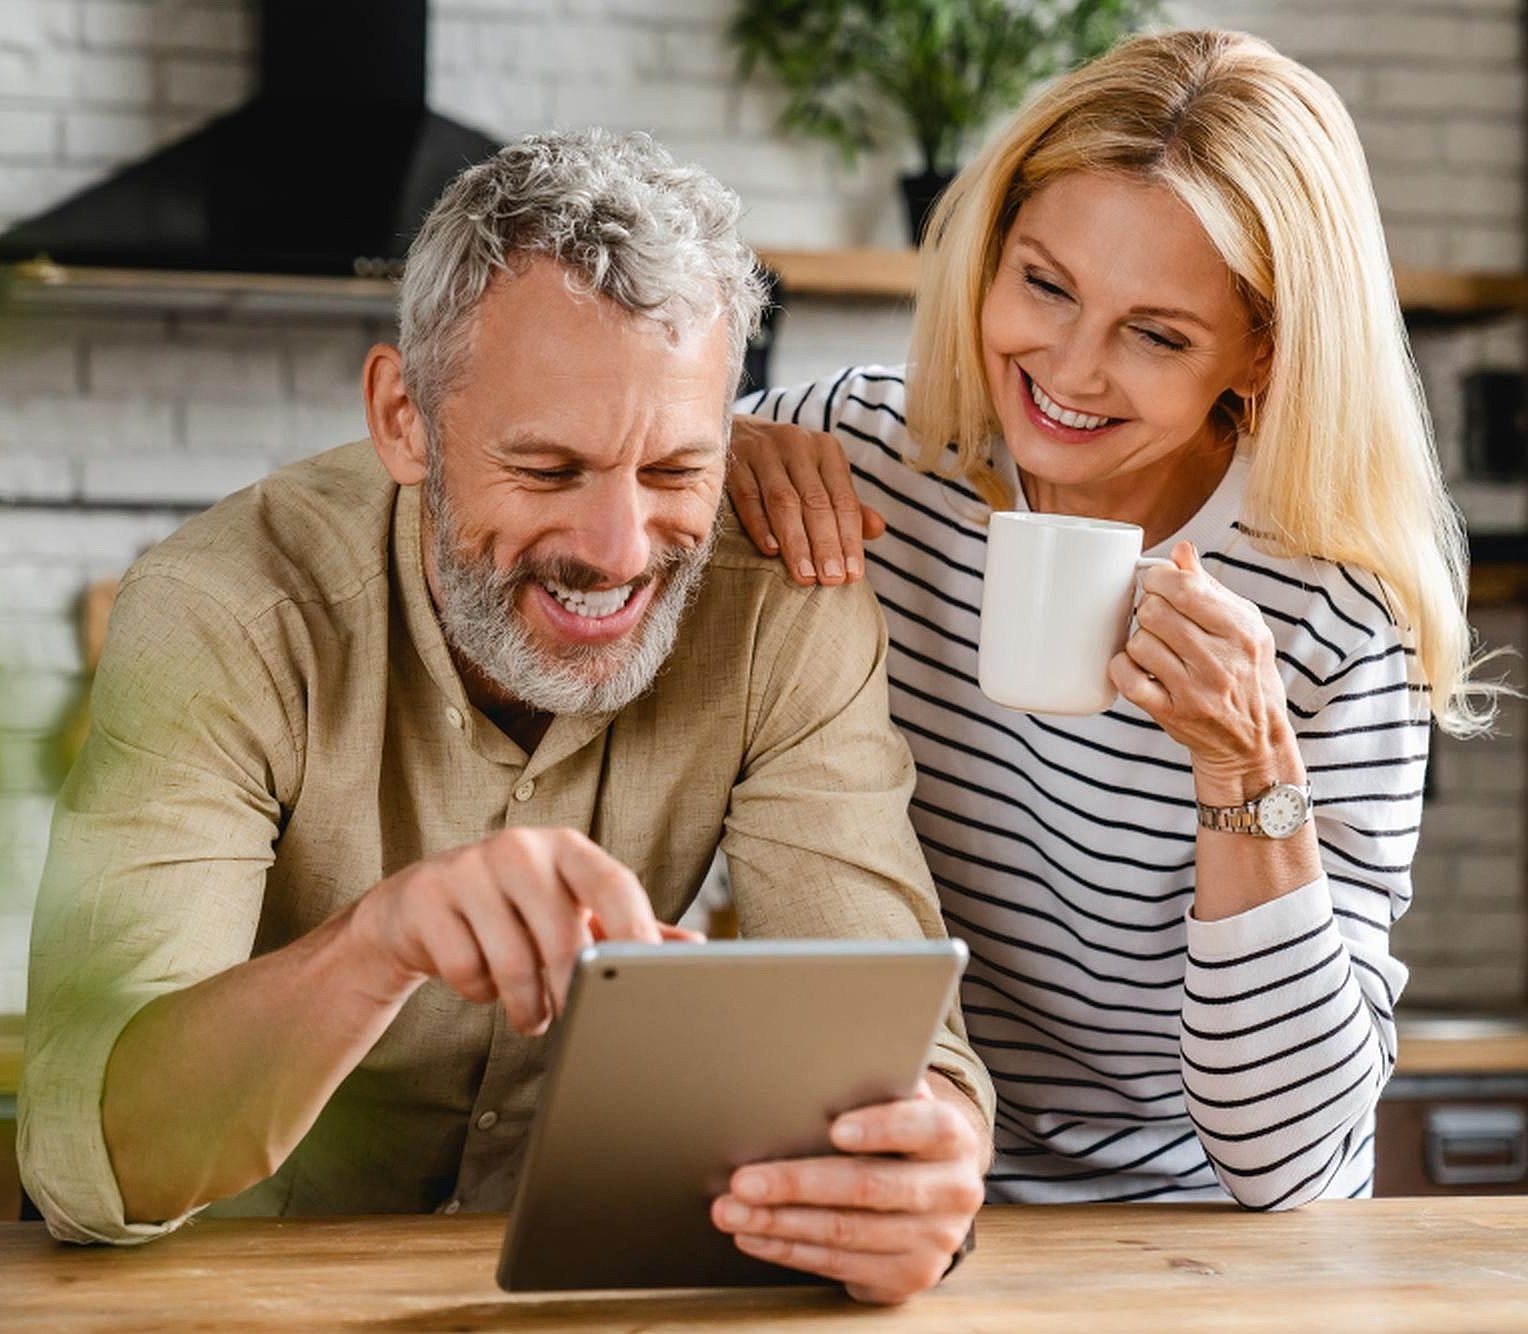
1161 296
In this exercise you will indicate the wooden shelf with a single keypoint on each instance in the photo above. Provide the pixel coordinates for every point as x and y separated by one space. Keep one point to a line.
894 273
1459 293
1498 585
42 283
1462 1044
867 272
11 1026
883 273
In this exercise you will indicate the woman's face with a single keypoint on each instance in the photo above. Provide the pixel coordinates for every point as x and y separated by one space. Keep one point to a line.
1111 328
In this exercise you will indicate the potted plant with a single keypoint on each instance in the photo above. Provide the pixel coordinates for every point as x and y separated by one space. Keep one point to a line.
945 67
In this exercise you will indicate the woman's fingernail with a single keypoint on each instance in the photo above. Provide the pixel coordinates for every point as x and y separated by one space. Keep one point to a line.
833 570
771 542
856 566
805 570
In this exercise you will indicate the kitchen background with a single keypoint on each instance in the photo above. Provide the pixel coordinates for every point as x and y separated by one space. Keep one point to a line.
121 415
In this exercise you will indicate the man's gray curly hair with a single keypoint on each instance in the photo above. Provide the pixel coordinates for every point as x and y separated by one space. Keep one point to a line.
629 223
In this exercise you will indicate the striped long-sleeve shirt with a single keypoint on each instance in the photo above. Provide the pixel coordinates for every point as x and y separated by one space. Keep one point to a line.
1138 1053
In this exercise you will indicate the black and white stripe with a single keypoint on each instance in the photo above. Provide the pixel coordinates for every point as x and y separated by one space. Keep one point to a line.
1136 1054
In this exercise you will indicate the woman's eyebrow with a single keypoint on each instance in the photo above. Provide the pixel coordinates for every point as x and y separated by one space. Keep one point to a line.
1156 312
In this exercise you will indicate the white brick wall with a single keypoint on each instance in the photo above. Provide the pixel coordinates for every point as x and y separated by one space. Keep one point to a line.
136 407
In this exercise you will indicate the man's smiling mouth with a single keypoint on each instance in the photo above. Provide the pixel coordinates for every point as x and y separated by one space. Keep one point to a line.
592 604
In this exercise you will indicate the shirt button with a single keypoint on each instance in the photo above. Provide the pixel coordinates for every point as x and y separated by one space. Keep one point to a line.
454 716
488 1121
526 790
454 1207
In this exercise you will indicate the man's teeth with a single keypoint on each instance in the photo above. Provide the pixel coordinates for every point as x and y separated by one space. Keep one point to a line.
1064 416
592 603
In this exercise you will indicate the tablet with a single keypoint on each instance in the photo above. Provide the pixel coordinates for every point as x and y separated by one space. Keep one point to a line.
674 1064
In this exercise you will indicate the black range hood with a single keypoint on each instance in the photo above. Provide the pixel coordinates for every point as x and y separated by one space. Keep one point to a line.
330 170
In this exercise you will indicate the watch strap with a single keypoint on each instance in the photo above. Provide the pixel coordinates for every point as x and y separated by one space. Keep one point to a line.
1245 818
1231 819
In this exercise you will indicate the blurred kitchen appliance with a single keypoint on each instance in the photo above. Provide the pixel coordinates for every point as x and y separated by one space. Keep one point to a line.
329 170
1456 1135
1496 425
1454 1117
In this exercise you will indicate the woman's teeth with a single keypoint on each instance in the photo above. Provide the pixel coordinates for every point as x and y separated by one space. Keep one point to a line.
592 603
1078 421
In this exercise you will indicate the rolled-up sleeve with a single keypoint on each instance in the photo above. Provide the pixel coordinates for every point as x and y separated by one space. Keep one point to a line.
162 837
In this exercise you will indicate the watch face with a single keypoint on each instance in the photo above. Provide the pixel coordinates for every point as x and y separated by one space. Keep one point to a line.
1282 811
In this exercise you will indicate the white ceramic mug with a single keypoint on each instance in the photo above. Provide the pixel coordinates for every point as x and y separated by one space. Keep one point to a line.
1057 598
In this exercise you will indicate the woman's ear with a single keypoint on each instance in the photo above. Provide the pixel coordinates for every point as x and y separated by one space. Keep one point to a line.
397 430
1258 373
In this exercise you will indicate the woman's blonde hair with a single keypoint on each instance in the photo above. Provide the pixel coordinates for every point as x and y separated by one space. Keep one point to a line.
1264 154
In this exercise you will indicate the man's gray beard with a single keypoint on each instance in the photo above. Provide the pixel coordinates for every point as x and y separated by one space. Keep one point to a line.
481 622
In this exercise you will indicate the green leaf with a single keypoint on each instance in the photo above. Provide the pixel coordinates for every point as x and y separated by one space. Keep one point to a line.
943 68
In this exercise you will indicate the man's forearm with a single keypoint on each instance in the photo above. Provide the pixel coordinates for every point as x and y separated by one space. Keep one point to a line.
208 1089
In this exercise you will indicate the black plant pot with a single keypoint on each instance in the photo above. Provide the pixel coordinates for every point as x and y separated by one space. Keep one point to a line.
920 193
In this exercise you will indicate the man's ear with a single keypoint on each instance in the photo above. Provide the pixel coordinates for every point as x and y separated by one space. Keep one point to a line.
397 429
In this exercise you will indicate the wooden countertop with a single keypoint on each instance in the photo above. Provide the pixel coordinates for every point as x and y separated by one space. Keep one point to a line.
1418 1265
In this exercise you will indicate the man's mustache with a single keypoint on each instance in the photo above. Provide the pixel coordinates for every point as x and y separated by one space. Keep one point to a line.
581 578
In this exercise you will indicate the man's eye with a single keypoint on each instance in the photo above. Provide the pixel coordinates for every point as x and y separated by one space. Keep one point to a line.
675 474
548 475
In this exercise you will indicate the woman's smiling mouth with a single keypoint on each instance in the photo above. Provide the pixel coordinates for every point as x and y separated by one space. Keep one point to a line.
1053 417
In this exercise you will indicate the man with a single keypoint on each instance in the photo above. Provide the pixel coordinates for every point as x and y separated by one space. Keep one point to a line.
375 746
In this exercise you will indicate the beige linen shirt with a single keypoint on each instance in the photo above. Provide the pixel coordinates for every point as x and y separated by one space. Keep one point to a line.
277 725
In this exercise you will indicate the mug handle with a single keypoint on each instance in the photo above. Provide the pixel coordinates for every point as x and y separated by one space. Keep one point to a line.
1142 564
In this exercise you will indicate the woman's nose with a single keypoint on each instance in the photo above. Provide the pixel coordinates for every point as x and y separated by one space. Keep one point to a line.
1076 366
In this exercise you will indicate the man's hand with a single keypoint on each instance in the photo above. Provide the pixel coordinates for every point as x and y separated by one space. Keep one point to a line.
504 918
884 1226
210 1088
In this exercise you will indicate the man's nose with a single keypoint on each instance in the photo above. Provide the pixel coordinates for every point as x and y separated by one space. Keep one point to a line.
613 534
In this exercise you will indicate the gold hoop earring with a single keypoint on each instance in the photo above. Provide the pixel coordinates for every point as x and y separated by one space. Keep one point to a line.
1249 415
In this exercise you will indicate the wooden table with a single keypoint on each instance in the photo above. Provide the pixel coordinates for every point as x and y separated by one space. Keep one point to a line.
1420 1265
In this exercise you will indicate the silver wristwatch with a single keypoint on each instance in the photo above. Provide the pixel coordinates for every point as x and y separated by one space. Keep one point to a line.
1276 812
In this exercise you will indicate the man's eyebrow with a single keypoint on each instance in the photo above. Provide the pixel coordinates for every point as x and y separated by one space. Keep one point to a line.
529 445
1155 312
526 443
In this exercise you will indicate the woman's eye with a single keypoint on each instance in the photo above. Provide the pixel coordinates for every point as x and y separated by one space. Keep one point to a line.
1158 340
1042 286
